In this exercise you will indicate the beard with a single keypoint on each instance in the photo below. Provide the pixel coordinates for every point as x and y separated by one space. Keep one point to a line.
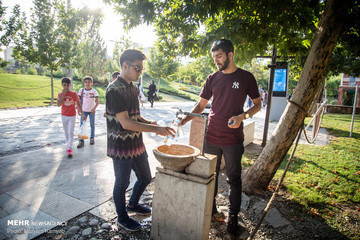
225 65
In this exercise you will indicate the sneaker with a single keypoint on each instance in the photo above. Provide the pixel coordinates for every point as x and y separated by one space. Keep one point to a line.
139 209
130 225
81 144
92 142
69 153
233 226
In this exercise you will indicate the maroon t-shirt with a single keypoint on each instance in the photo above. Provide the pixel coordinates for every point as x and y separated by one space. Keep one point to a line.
229 92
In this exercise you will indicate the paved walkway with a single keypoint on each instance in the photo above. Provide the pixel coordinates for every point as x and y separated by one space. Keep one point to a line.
40 187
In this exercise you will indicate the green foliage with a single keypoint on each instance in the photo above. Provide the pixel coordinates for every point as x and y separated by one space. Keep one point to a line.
54 30
31 71
10 27
92 50
3 63
333 84
196 72
120 46
344 61
345 58
189 28
160 65
259 68
59 73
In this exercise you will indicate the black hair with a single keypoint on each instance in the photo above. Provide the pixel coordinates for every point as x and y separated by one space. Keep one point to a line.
65 80
131 55
115 74
88 78
224 44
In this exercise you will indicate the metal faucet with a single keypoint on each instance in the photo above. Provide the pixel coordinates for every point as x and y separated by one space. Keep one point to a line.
180 112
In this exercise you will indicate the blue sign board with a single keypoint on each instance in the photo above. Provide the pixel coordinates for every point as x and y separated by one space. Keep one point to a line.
280 79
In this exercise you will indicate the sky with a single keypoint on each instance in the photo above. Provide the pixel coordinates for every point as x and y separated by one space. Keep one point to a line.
144 35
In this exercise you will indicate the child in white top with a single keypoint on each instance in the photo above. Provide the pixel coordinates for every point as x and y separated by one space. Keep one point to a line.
89 99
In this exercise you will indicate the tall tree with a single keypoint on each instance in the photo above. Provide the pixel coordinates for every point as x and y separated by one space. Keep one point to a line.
52 38
9 27
160 65
254 26
120 46
310 83
92 50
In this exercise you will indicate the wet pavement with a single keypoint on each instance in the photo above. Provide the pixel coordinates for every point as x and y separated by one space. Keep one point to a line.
40 187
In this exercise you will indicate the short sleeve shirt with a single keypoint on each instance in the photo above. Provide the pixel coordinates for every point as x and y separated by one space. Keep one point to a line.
229 92
88 98
68 106
122 143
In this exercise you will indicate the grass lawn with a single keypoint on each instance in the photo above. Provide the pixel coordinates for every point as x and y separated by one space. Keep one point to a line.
326 179
17 90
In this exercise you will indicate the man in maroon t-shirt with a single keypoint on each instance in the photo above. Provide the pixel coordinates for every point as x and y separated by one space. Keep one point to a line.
228 87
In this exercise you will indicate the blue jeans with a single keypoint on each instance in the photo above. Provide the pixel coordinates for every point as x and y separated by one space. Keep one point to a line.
92 122
122 169
232 156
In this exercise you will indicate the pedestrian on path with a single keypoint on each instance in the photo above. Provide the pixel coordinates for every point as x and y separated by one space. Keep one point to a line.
265 97
261 93
67 100
142 98
124 138
89 99
152 92
228 87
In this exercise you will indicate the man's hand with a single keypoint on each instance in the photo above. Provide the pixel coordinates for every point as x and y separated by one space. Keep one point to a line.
83 116
186 119
153 122
235 121
164 131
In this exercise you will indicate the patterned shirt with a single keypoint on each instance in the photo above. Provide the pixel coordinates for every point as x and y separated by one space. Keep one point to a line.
122 143
229 92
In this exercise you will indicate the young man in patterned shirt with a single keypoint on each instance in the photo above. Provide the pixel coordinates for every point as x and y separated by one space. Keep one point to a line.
124 138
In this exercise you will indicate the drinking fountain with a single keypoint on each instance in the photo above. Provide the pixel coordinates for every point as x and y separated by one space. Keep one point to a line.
184 190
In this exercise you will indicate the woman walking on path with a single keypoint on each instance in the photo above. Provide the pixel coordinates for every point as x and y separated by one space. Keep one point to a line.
152 92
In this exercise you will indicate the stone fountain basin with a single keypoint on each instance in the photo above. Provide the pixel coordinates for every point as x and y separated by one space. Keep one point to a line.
176 157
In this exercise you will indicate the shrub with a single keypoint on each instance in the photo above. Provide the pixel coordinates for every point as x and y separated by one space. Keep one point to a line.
31 71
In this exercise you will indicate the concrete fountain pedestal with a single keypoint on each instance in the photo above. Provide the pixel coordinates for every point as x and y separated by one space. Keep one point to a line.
183 197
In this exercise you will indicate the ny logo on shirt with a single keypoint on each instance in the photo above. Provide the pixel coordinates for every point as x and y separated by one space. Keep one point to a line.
235 85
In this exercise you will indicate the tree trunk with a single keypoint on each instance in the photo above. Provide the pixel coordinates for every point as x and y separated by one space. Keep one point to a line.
52 87
158 87
260 174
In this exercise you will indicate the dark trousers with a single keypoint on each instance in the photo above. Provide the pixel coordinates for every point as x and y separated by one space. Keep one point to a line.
151 98
122 169
232 155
